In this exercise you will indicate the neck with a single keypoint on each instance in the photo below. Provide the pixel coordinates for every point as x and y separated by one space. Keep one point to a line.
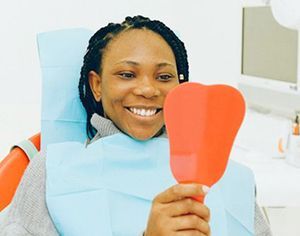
106 127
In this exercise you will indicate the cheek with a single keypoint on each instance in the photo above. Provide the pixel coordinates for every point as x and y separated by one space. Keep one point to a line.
165 90
112 98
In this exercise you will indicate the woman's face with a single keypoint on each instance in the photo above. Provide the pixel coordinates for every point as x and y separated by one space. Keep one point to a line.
138 71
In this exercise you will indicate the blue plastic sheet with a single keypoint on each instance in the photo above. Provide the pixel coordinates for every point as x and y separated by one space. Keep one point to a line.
61 57
108 188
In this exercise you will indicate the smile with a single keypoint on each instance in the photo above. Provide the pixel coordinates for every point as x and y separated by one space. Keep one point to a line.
145 112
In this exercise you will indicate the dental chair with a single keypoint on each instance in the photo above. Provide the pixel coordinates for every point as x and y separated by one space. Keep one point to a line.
61 53
13 166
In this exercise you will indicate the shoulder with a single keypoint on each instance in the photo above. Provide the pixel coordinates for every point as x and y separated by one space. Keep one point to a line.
237 169
28 210
33 178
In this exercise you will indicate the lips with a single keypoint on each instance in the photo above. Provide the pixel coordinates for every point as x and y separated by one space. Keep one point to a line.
144 111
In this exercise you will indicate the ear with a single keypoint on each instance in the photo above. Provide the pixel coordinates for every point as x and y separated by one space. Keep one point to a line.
95 85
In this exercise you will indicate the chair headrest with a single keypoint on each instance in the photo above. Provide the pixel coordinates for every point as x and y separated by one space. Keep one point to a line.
61 56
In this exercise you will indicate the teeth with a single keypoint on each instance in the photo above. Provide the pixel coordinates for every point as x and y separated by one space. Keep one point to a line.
143 112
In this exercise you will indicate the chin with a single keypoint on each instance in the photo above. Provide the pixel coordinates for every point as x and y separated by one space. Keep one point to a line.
142 136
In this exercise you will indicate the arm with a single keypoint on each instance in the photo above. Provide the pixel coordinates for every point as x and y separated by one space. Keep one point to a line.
28 213
262 228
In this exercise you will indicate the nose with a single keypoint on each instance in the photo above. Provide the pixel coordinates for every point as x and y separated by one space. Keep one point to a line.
146 88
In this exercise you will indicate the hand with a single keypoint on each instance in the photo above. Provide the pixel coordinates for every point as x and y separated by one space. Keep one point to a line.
174 212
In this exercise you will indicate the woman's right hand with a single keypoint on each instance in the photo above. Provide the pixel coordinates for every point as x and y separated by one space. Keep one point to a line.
174 212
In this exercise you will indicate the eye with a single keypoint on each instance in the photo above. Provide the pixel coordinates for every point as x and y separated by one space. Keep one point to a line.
165 77
126 75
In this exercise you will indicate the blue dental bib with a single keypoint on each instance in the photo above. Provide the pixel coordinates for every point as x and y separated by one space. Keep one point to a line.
107 188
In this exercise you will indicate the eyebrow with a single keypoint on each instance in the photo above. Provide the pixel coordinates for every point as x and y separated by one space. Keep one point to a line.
163 64
133 63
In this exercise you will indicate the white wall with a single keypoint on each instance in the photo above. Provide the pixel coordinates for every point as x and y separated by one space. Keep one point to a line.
210 30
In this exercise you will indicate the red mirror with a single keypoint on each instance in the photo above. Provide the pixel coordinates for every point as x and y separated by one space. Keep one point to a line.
202 123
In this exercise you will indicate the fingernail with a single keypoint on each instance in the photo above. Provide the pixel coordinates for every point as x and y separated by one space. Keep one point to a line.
205 189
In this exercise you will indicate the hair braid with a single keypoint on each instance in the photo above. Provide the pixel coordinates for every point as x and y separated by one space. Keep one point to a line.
92 60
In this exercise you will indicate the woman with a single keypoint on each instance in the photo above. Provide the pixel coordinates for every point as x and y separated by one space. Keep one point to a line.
128 70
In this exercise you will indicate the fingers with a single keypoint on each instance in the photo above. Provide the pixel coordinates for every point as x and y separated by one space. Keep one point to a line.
188 206
175 212
180 191
191 222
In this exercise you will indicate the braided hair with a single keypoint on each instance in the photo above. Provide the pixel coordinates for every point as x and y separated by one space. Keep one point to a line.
92 60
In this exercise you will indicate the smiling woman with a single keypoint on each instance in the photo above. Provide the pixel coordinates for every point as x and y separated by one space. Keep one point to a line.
134 81
128 70
139 60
